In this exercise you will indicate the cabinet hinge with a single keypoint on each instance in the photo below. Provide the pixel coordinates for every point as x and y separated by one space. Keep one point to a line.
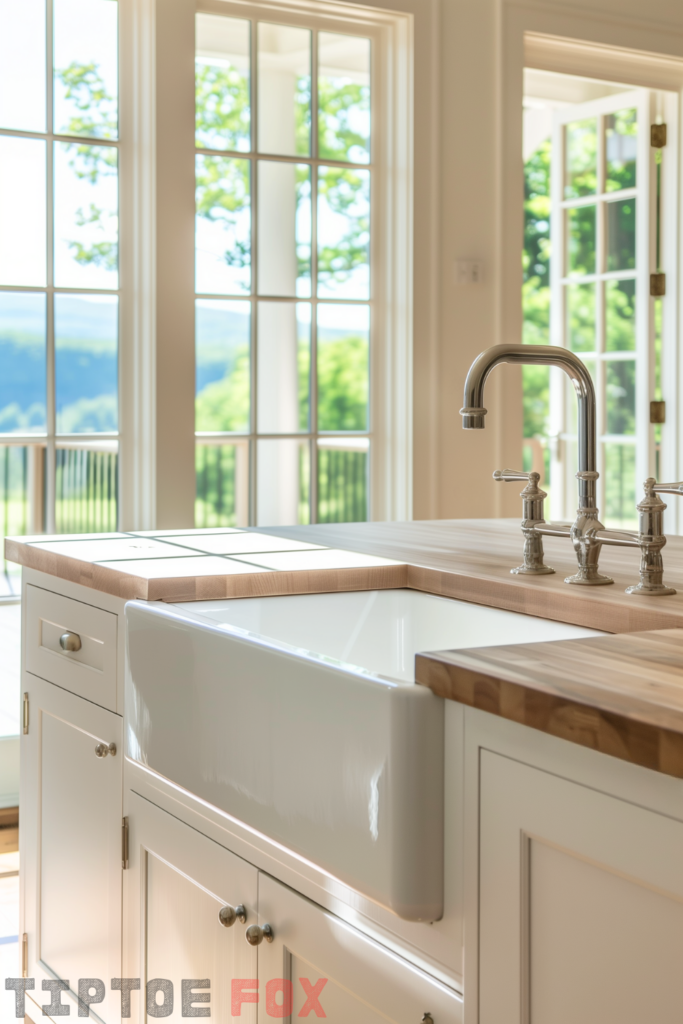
26 714
657 285
124 844
658 136
658 412
24 955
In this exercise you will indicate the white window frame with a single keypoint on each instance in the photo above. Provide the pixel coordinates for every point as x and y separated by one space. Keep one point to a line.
158 481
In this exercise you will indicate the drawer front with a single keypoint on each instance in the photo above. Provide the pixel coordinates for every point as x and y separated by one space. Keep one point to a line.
89 671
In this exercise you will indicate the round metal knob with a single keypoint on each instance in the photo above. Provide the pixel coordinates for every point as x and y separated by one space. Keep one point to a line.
255 934
228 915
102 749
70 641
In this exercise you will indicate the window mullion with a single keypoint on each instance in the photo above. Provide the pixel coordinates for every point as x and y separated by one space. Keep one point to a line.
253 363
51 452
313 459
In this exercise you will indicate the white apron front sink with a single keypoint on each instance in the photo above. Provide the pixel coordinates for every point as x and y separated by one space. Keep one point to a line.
300 717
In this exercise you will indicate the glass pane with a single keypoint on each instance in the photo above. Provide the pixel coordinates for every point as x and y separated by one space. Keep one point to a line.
343 363
572 405
222 347
86 363
620 316
283 477
343 233
22 65
620 386
223 116
284 90
86 76
343 479
581 317
86 216
343 98
87 488
23 232
620 486
22 472
284 362
621 235
581 158
284 231
581 240
621 139
223 226
23 367
222 481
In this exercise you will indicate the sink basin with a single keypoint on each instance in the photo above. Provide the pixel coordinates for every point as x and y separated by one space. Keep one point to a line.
300 717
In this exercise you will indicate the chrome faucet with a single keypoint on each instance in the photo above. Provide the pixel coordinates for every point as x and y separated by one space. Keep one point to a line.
587 533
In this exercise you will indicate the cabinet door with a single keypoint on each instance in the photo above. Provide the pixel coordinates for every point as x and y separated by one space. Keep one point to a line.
177 884
70 841
336 971
581 903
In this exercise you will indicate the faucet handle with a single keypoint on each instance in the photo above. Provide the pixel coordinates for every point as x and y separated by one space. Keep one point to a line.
510 475
676 488
532 504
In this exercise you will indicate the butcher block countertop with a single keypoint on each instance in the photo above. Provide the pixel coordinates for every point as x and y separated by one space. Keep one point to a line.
618 695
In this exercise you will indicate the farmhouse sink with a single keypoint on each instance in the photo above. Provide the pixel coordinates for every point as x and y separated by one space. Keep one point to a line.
300 717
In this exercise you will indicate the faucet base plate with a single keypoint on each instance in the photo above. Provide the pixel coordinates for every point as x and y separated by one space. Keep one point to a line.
592 581
543 570
655 590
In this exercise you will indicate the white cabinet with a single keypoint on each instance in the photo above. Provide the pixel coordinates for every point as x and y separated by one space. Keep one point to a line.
580 902
178 882
333 970
70 840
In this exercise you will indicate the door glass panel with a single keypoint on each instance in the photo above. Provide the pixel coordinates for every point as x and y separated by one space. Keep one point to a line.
343 98
284 359
86 215
581 158
284 90
284 229
620 316
22 65
580 305
86 363
620 386
343 365
23 359
86 68
222 484
222 375
621 235
620 486
621 143
223 112
343 464
223 226
23 242
343 233
283 479
581 240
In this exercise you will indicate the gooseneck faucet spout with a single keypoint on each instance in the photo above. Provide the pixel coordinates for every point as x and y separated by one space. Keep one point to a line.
583 533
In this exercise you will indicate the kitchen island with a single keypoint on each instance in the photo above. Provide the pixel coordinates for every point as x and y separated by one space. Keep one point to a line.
563 812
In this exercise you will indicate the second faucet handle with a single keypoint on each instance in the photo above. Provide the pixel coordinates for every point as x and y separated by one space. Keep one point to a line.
532 497
510 475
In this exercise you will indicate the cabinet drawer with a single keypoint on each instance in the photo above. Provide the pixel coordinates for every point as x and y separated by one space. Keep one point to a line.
90 671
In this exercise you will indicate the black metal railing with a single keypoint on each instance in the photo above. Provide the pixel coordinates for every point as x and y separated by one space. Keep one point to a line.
86 490
14 507
215 497
342 486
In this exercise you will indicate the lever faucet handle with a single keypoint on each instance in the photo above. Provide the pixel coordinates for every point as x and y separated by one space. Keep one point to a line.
532 515
676 488
652 539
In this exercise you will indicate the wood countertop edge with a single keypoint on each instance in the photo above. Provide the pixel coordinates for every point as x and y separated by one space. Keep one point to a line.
606 720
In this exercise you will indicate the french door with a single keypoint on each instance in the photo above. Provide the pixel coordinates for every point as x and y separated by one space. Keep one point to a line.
607 305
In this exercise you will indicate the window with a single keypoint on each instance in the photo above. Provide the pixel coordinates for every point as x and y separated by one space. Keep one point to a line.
59 280
285 166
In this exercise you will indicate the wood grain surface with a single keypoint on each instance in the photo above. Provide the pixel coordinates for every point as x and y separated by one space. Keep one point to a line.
619 695
465 559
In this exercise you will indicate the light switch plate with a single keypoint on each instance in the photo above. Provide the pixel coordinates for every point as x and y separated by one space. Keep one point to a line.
468 272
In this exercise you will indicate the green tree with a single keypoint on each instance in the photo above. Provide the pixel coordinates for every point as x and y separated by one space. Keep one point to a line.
536 286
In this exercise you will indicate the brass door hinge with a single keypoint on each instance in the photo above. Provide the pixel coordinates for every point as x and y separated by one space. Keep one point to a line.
657 285
658 136
25 714
24 955
124 844
657 412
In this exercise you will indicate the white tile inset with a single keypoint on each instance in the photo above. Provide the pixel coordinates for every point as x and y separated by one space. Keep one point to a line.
106 550
244 544
327 558
175 568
